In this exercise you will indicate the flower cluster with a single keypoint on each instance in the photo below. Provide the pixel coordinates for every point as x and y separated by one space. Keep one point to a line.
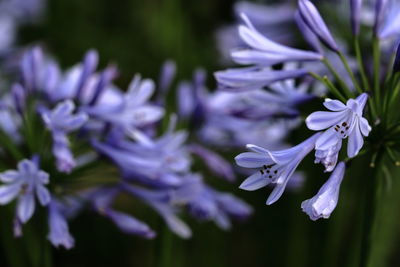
67 130
363 93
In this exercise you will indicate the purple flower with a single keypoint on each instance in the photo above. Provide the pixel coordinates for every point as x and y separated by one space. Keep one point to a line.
59 234
252 78
160 202
265 52
274 167
130 110
313 19
323 204
60 121
355 8
214 162
389 27
396 65
380 8
102 201
342 121
24 184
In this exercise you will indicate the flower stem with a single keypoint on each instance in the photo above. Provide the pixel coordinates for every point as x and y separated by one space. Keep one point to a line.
371 198
344 86
376 56
165 249
330 86
348 69
361 64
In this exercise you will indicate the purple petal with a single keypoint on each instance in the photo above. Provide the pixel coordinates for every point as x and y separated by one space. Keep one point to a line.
314 20
321 120
334 105
252 160
130 225
25 207
355 143
9 192
254 182
43 195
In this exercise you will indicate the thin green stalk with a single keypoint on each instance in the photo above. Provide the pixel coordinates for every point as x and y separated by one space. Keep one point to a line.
344 86
376 55
165 255
361 64
371 197
348 69
330 86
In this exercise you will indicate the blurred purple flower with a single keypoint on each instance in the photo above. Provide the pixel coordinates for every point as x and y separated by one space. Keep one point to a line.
60 121
59 234
24 184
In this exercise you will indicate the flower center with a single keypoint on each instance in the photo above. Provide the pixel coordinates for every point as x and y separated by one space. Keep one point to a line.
342 129
270 171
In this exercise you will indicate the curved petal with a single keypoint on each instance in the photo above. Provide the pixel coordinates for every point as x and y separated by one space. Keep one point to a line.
43 195
9 176
254 182
364 126
25 207
276 193
9 192
334 105
252 160
321 120
355 143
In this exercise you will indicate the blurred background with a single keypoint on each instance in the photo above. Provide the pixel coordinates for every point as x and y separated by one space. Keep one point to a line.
139 36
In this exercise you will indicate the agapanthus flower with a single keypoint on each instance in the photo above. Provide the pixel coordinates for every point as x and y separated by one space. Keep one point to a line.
342 121
274 167
25 184
323 204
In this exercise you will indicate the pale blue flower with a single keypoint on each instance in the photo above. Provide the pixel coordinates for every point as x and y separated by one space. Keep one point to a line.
24 184
59 234
341 121
274 167
323 204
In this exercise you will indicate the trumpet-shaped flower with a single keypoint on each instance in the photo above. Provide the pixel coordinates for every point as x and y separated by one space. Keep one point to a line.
265 52
342 121
274 167
313 19
323 204
24 184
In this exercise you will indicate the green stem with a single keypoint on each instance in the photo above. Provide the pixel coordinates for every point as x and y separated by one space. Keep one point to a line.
330 86
348 69
376 56
165 248
361 64
344 86
371 198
